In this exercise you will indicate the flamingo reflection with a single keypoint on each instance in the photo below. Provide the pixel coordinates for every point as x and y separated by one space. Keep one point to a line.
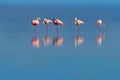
100 38
35 41
47 40
57 41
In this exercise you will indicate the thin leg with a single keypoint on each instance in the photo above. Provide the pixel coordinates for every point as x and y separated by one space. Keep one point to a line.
78 30
34 31
56 31
47 30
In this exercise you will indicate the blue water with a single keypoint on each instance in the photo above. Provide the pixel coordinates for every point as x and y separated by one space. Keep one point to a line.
19 60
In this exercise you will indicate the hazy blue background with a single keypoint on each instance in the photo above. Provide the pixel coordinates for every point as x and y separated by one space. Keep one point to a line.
60 2
19 60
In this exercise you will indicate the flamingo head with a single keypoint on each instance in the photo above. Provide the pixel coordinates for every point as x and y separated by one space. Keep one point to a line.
75 18
99 21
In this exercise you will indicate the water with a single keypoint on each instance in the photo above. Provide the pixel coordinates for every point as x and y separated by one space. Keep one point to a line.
20 60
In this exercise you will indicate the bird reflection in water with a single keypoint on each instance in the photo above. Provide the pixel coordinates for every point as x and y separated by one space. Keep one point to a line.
57 41
35 40
78 40
47 40
101 36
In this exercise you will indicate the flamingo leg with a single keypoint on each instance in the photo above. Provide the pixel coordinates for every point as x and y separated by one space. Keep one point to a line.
56 31
47 30
78 30
34 31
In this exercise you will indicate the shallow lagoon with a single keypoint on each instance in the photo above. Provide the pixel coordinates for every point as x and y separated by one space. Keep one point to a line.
88 61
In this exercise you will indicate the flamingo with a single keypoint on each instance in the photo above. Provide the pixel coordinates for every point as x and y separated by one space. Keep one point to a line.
78 40
78 22
47 21
57 41
46 39
35 22
100 23
57 21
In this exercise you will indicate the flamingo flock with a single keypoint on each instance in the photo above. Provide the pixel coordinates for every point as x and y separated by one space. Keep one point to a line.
57 22
57 41
47 21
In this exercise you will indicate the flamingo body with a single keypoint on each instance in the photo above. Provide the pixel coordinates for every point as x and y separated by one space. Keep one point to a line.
78 22
47 21
99 22
35 22
57 21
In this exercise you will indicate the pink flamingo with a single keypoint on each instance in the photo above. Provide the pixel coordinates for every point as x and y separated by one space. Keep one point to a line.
78 40
100 23
57 41
78 22
46 39
35 40
57 21
47 21
35 22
